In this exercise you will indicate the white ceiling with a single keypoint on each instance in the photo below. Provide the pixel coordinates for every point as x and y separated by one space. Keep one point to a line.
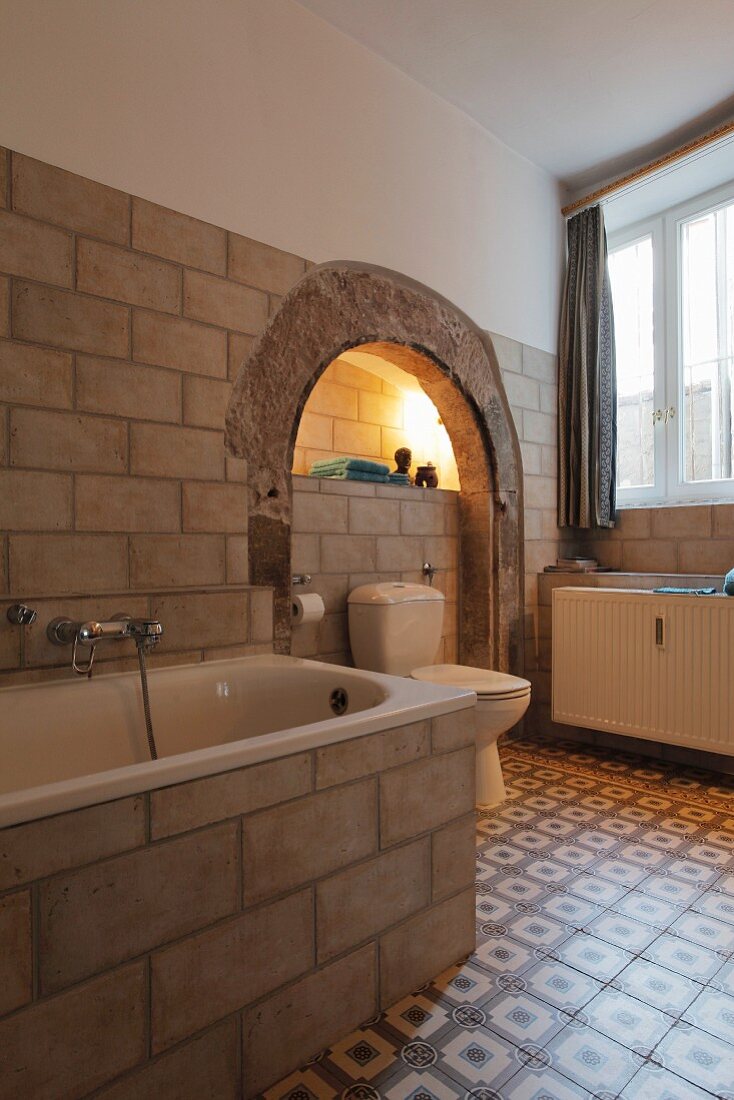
584 88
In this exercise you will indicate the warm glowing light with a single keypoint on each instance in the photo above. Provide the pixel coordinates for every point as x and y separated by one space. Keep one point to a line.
428 438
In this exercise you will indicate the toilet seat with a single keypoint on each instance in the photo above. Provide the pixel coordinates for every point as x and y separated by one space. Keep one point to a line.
487 683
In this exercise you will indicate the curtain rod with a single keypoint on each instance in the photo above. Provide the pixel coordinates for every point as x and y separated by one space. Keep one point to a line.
651 168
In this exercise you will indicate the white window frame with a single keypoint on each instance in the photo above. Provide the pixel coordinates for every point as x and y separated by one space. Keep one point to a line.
665 230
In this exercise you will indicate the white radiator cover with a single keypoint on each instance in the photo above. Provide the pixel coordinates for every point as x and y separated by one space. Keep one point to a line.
609 673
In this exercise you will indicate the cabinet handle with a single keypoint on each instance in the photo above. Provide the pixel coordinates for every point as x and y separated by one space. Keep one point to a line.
659 631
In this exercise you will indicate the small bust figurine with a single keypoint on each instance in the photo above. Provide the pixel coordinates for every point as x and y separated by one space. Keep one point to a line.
403 459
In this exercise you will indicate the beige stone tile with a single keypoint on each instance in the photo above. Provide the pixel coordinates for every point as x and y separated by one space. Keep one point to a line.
206 1067
34 501
305 640
549 400
540 492
214 798
314 513
125 389
64 319
400 552
202 619
235 469
285 1030
333 400
508 352
681 523
347 812
228 967
67 441
57 843
425 794
521 391
348 375
333 634
453 857
422 518
126 504
222 302
239 348
94 918
339 487
39 651
347 554
214 506
178 237
9 635
333 590
723 520
706 556
453 731
54 195
442 551
425 945
167 451
378 409
370 516
16 977
69 1045
47 564
356 438
541 553
549 461
315 431
34 251
305 554
262 266
392 439
539 364
168 561
179 343
539 427
362 901
112 272
362 756
205 401
533 524
238 565
4 306
649 555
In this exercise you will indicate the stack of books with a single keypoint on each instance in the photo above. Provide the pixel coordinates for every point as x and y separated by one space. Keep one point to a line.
578 565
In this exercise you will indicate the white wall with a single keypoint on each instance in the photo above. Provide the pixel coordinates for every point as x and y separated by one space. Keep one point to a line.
258 116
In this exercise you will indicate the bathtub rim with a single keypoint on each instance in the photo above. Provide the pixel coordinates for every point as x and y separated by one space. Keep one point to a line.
406 701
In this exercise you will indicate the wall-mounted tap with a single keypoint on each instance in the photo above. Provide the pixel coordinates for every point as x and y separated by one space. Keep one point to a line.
301 578
145 633
19 614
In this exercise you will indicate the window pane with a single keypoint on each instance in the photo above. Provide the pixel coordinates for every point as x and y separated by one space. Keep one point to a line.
631 274
707 317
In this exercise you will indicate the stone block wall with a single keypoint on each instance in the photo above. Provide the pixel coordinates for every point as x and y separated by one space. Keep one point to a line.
350 412
207 938
122 325
351 533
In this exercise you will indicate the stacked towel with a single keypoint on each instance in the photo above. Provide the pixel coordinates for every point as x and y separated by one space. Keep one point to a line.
350 469
398 479
729 583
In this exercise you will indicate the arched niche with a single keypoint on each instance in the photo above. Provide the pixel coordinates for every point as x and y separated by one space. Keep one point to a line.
344 304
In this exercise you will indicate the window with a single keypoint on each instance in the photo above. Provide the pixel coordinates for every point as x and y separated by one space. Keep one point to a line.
672 283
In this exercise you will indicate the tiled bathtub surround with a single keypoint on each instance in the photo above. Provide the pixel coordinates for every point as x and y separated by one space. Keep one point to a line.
351 533
605 949
122 325
207 938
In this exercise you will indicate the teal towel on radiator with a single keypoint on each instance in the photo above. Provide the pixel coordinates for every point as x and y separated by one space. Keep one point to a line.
670 591
729 583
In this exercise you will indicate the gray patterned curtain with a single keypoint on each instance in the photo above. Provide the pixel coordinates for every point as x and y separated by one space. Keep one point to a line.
587 389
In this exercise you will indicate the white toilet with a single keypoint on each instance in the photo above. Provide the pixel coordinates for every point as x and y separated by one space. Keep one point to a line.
395 628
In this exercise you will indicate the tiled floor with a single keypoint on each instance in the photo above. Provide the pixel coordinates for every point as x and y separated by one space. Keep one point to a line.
605 949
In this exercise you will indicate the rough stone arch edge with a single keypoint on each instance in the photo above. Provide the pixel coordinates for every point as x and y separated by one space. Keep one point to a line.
344 304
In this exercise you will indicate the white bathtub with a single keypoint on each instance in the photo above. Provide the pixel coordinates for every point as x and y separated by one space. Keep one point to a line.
76 743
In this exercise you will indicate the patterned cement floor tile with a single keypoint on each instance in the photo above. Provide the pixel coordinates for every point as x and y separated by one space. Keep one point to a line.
605 911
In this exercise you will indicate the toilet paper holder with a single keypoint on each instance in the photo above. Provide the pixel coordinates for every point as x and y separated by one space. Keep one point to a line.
300 578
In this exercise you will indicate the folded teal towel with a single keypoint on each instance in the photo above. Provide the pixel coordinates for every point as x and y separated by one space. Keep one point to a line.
399 479
668 590
337 464
352 475
729 583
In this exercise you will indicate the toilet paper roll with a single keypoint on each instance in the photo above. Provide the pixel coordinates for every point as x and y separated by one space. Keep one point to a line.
308 608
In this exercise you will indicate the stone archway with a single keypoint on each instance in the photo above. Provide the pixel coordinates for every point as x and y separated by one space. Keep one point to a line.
345 304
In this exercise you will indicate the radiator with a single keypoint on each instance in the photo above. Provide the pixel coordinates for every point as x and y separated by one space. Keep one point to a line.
652 666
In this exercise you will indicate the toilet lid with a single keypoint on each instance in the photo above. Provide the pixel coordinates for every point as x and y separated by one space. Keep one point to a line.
498 685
